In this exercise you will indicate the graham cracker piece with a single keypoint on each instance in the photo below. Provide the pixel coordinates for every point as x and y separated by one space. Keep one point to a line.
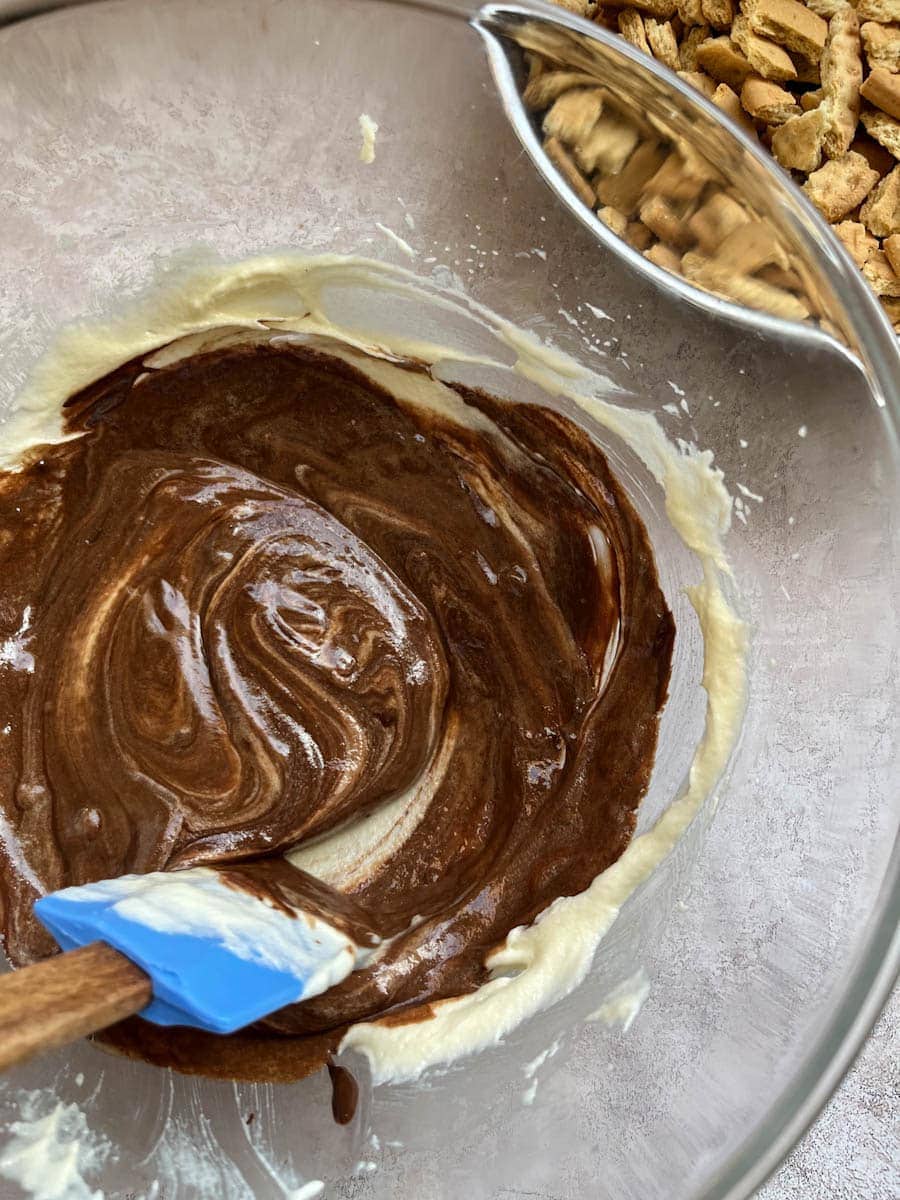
565 164
662 9
811 100
638 236
859 242
797 144
690 11
701 82
537 65
884 129
659 216
662 42
881 275
876 156
837 187
807 286
664 256
765 57
752 292
886 12
542 90
675 182
729 102
573 115
581 8
718 13
800 126
807 71
825 8
790 24
697 164
613 219
750 247
720 58
785 278
719 217
768 102
841 77
891 247
624 191
882 45
631 27
881 212
883 90
687 51
608 146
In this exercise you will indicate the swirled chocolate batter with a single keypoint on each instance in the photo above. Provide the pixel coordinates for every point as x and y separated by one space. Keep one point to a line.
261 611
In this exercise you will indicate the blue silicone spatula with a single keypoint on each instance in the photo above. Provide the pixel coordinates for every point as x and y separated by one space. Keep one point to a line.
179 948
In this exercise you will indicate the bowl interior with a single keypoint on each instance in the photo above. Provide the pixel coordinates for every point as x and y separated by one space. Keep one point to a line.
133 133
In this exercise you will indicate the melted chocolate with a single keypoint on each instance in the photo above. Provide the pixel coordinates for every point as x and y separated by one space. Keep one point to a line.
260 597
344 1094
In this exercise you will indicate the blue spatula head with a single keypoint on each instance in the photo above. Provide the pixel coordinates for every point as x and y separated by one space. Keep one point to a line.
219 958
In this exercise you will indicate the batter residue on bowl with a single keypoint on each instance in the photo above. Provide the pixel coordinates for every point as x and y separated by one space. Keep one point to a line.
266 608
278 599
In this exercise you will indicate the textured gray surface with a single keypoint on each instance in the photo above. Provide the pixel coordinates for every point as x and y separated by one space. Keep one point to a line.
853 1150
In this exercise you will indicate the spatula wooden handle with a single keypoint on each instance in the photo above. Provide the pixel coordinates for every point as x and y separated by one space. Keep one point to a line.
64 998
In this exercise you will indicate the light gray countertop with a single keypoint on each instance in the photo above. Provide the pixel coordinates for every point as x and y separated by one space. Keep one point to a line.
853 1150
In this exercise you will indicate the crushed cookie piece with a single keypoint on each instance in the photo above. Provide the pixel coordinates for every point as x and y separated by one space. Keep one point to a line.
891 247
607 147
752 291
573 115
542 90
881 212
613 219
768 102
687 51
701 82
690 12
790 24
718 13
860 244
662 41
769 60
625 190
730 104
811 99
886 12
660 217
719 217
631 27
884 129
841 79
882 45
840 185
797 144
881 275
565 164
664 256
720 58
882 89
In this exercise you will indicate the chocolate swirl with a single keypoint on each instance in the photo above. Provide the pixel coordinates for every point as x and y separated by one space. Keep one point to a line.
252 674
261 598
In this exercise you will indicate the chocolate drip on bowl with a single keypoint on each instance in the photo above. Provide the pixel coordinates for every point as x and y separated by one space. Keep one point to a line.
401 663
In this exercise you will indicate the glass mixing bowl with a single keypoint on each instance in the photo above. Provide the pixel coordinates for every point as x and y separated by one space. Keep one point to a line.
765 944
